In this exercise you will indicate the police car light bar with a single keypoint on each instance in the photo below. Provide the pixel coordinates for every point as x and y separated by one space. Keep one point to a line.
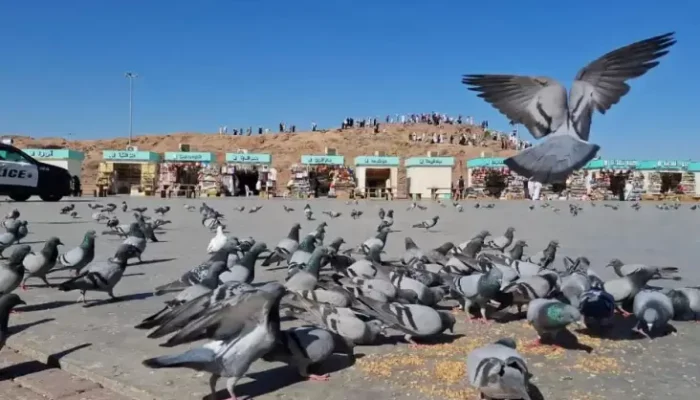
7 141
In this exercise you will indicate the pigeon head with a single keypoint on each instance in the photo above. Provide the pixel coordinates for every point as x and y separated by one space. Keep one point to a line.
89 237
14 214
521 243
615 263
448 321
18 254
23 223
651 318
337 243
553 244
436 218
296 226
322 225
510 231
52 243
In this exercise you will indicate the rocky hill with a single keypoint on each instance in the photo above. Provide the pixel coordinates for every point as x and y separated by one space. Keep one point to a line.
286 148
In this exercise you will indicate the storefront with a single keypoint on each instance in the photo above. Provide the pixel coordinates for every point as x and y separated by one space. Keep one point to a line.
249 174
128 172
377 176
321 175
429 177
609 179
667 177
188 173
694 168
70 160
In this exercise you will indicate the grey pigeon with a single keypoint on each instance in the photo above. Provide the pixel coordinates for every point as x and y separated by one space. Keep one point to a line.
244 270
622 269
302 254
99 277
241 334
355 214
626 288
423 322
686 303
308 346
308 213
136 240
38 265
540 104
546 257
516 252
474 245
197 274
12 272
427 224
573 286
428 296
332 214
498 371
162 210
379 241
284 248
306 278
7 303
653 310
549 317
7 239
255 209
208 283
287 209
80 256
477 290
22 231
438 255
500 243
529 288
412 253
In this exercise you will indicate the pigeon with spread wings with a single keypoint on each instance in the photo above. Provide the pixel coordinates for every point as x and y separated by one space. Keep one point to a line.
541 104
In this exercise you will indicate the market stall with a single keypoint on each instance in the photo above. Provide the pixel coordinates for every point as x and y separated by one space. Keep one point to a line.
429 177
321 175
609 179
249 170
185 173
70 160
666 177
377 176
128 172
694 168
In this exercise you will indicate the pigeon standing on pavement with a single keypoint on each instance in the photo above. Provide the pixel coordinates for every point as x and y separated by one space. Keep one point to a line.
308 213
546 257
100 277
80 256
241 333
498 371
540 103
427 224
549 317
68 208
135 240
12 272
653 311
501 242
7 304
162 210
284 248
287 209
686 303
38 265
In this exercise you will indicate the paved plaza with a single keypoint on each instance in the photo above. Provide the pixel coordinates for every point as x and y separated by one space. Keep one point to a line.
98 348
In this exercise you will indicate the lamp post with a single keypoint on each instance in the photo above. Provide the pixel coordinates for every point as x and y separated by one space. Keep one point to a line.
131 76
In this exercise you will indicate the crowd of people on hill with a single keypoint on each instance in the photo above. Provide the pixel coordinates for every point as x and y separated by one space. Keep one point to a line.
470 138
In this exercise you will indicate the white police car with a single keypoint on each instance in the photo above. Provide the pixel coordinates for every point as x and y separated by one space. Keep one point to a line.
21 177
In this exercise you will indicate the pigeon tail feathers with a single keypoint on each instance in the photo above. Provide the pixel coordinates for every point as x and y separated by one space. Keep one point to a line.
554 159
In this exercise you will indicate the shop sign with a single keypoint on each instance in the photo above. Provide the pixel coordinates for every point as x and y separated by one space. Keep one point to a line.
188 156
377 161
673 164
620 164
248 158
125 155
39 153
322 160
430 162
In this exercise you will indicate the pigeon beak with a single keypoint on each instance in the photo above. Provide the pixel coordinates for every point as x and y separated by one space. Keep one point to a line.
650 326
22 302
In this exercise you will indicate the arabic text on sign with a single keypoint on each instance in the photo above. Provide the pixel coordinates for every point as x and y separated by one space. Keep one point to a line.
42 154
376 161
189 157
321 160
430 161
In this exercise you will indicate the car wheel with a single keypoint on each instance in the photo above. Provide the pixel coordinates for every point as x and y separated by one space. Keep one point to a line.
50 197
20 196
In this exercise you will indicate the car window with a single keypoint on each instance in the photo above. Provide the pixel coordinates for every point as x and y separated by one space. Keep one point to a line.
14 156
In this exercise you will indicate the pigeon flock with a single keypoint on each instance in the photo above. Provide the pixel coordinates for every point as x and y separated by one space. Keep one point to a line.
335 298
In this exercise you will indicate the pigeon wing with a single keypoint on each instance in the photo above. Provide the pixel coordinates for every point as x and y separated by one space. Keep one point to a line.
602 83
539 103
72 257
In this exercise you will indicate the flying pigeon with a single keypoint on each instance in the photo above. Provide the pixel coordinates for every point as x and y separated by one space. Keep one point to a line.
110 207
162 210
95 206
332 214
287 209
241 333
80 256
67 209
498 371
254 209
12 272
38 265
427 224
355 214
541 105
7 304
140 210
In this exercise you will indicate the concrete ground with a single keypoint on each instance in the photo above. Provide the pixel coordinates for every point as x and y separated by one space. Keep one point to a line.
99 343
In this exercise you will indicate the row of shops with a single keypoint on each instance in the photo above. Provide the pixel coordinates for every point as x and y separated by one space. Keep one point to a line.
604 178
185 173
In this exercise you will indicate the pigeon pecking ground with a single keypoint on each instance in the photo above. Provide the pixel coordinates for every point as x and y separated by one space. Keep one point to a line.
52 322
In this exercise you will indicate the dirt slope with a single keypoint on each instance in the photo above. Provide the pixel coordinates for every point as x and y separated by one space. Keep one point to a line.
286 148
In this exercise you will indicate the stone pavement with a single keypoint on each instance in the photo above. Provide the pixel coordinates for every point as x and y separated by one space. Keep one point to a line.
23 378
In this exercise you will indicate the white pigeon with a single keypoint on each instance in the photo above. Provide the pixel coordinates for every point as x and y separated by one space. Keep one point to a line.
218 241
541 105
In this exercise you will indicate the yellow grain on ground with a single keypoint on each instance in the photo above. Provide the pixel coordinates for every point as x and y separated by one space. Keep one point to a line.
450 371
385 365
598 364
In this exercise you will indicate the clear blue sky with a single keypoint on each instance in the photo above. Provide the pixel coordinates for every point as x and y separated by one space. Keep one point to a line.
239 63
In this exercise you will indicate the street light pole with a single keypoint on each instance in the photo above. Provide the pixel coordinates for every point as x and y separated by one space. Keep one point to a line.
131 76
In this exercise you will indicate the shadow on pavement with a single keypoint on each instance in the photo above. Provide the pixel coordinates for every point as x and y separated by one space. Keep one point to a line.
119 299
31 367
154 261
19 328
62 222
49 305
